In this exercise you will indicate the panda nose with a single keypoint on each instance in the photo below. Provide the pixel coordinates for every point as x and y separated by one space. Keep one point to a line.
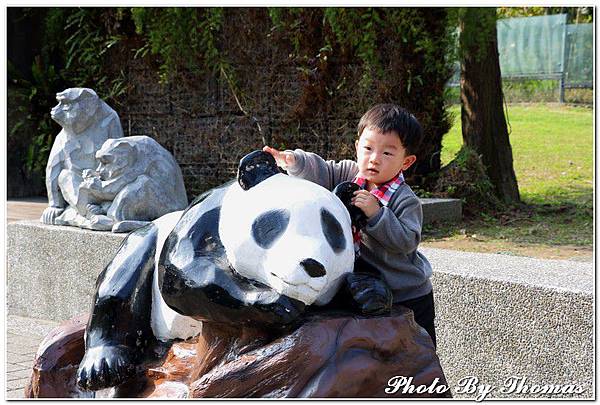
313 268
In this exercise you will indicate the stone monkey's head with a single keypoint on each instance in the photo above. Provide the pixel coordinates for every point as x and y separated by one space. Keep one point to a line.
114 157
76 109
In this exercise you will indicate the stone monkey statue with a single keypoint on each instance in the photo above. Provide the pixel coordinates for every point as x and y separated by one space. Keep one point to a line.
87 122
136 181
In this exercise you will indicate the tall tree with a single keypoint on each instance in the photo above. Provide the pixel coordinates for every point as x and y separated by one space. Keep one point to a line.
483 124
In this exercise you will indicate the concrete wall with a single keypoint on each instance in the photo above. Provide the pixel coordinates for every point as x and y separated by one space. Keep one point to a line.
52 270
497 316
502 316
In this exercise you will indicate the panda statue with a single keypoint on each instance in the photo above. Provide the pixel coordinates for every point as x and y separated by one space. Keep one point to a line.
261 251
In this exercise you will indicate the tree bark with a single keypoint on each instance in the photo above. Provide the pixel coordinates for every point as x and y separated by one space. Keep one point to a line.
483 124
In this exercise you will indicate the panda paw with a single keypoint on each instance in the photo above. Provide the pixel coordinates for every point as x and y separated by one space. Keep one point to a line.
286 310
370 294
105 366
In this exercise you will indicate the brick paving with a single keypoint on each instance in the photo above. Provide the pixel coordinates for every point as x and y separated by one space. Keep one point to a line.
23 336
25 208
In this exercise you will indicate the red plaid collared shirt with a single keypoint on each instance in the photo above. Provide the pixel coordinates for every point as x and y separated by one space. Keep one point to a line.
383 193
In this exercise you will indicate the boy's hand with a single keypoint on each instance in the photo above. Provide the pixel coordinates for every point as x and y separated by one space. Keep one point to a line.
283 159
367 202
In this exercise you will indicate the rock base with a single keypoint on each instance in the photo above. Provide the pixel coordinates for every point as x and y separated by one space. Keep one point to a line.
328 356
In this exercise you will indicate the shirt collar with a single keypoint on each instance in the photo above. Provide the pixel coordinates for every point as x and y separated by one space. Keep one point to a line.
385 191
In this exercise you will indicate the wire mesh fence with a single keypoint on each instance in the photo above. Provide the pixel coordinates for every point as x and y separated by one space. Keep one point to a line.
542 59
579 71
532 46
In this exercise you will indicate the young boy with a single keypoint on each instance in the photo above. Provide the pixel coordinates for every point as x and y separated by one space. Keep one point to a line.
388 139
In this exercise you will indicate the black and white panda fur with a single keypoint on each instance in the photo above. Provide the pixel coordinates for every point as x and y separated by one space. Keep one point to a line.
288 240
287 233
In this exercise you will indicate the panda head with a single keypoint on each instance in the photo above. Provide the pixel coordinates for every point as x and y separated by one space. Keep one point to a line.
288 233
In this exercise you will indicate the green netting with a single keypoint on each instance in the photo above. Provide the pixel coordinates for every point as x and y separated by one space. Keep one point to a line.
542 47
579 67
531 46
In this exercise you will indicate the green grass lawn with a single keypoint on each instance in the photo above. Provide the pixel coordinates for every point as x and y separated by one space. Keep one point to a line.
553 160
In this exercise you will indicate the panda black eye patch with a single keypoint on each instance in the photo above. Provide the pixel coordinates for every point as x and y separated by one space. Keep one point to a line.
333 231
269 226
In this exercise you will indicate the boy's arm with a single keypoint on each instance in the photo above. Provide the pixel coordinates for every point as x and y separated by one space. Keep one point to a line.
398 230
328 174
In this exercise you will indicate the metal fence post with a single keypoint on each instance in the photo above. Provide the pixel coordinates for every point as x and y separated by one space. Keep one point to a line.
561 96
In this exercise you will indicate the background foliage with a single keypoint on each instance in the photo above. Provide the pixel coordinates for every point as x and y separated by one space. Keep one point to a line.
337 62
68 47
343 60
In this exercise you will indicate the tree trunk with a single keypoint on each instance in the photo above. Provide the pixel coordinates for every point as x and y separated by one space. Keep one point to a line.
483 125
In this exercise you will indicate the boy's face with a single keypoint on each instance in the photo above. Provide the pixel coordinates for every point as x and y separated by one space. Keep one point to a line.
380 156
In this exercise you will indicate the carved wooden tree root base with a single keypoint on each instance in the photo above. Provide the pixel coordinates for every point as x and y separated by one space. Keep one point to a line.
329 355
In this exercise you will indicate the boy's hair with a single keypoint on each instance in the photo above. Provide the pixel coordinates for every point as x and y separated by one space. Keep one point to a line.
390 117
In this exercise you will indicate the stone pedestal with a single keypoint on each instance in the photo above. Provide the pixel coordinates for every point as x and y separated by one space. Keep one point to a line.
52 270
441 210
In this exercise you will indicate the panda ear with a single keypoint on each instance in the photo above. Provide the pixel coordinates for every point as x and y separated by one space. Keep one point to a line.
256 167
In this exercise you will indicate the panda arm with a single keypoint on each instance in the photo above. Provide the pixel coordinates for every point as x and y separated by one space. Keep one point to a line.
370 294
119 330
123 292
206 291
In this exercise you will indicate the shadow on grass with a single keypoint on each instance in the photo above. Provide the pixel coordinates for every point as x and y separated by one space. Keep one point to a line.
562 217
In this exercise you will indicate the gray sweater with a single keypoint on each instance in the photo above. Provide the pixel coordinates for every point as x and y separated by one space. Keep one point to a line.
389 241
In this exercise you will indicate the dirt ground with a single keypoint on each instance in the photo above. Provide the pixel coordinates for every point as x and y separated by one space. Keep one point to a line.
470 244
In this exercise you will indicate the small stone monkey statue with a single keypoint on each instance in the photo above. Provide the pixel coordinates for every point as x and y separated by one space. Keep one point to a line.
136 181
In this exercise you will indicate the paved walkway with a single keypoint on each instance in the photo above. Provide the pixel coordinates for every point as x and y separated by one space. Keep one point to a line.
23 336
25 208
